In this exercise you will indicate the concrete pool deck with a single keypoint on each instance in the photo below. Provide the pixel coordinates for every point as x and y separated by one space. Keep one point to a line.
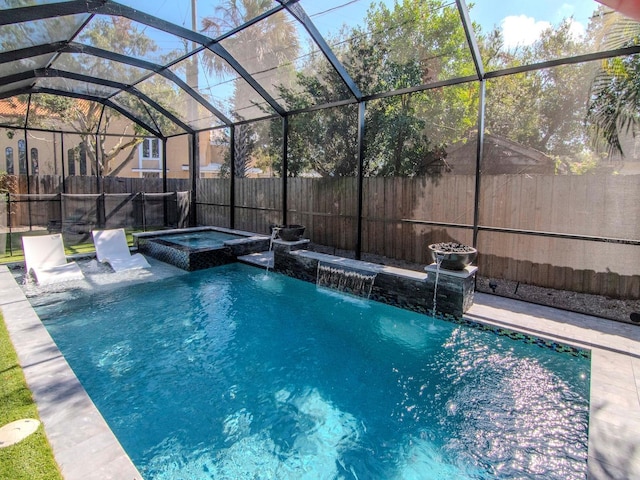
85 448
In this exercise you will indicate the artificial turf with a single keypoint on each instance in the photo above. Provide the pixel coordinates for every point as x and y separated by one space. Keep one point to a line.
31 458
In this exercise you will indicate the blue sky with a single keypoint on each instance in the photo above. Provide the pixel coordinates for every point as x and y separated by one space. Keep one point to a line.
521 20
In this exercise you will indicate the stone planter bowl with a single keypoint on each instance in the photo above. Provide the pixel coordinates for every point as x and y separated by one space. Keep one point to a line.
290 233
456 256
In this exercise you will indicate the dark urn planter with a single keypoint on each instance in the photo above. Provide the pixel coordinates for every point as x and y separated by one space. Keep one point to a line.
455 256
289 233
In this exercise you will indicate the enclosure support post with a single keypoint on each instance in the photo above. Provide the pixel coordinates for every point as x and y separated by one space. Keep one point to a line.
26 160
98 172
26 157
164 165
64 179
9 222
195 164
232 182
165 209
144 213
285 166
26 166
479 150
361 112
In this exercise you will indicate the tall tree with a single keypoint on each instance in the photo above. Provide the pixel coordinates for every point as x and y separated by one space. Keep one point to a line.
260 48
543 109
108 140
414 43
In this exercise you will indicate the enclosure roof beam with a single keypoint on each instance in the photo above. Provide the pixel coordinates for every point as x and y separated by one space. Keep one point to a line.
299 14
52 73
233 63
34 51
112 8
589 57
160 109
82 96
471 37
107 7
74 47
41 12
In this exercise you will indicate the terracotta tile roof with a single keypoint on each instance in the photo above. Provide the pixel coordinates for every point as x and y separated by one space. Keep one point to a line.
16 107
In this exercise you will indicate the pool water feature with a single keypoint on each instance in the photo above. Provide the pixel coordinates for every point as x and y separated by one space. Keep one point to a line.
345 280
199 247
237 374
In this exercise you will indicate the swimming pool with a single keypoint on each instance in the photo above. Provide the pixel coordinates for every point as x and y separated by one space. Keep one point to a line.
236 373
199 247
201 239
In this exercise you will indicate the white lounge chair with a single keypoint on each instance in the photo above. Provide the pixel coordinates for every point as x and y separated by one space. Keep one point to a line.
112 248
45 259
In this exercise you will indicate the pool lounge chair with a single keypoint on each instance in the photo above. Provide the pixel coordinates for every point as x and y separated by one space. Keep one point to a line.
45 259
112 248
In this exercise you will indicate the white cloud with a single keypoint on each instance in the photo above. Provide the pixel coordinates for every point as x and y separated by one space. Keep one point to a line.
566 10
577 29
521 30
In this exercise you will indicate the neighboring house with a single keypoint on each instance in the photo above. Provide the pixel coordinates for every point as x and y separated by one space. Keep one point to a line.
500 156
43 153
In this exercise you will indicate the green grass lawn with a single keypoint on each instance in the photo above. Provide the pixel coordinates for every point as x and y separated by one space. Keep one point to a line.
13 252
32 458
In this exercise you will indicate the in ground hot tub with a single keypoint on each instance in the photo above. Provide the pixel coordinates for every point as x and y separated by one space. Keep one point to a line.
200 247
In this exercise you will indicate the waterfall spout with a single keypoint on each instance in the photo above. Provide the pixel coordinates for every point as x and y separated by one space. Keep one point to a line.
348 281
439 259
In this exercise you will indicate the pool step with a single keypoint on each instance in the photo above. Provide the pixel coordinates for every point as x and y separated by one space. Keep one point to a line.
260 259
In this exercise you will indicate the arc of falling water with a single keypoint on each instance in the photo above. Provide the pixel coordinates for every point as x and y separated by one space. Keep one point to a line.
274 235
439 258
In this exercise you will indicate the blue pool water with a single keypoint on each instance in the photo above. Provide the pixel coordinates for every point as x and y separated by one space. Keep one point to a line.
233 373
203 239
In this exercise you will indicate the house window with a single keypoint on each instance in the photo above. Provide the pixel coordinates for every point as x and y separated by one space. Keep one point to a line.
34 162
22 157
8 153
151 153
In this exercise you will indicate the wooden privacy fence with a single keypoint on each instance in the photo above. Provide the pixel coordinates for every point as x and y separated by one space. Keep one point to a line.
401 216
81 209
76 215
49 184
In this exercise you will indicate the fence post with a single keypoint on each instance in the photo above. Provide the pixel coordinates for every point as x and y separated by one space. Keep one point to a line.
62 169
9 223
61 216
144 213
102 211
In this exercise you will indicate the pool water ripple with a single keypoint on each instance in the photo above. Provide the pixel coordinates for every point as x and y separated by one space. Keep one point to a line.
229 373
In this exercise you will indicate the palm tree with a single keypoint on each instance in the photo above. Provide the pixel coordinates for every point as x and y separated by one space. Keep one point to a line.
263 49
614 104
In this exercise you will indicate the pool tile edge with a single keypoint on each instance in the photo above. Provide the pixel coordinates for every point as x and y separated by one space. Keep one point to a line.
57 392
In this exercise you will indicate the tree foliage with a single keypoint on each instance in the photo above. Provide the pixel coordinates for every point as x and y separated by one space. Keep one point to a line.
543 109
413 43
614 102
260 48
105 136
